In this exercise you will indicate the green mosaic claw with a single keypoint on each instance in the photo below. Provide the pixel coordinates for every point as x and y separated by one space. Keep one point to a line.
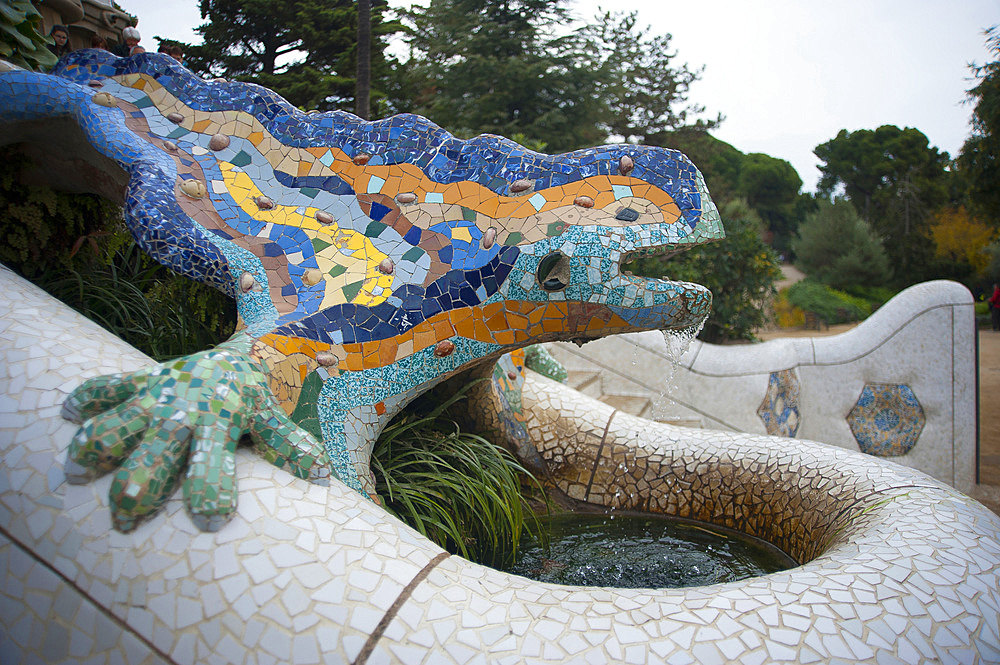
188 413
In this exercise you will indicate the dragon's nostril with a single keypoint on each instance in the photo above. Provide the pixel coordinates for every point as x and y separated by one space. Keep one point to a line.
553 271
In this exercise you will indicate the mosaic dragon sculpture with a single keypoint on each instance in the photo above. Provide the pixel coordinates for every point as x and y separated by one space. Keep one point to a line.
369 262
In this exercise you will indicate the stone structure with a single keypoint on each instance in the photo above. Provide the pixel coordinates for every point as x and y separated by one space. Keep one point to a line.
85 18
895 566
370 261
900 384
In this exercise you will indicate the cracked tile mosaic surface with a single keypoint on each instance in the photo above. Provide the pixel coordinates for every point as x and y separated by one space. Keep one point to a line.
886 420
896 567
371 260
780 408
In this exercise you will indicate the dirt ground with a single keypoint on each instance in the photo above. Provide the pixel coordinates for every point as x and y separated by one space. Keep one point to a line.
989 405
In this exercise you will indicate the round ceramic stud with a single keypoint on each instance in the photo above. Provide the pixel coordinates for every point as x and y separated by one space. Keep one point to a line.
324 217
326 359
247 282
512 375
170 146
104 99
584 201
264 203
312 276
95 84
489 238
361 158
194 189
175 117
406 197
445 347
625 165
386 266
218 142
519 186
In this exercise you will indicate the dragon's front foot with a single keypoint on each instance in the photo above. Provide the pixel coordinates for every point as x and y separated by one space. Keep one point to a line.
187 413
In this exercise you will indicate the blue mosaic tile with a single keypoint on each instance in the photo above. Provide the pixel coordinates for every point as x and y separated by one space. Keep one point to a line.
371 260
780 408
887 419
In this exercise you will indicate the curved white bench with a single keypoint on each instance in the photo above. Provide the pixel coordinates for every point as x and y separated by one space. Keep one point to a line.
924 339
897 568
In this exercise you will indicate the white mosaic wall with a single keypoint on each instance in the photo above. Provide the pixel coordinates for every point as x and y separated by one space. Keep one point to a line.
309 574
924 338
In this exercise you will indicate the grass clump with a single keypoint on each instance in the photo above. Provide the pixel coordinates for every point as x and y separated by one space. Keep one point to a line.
454 487
162 314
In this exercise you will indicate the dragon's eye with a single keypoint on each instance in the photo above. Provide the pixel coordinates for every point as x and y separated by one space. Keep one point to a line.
553 271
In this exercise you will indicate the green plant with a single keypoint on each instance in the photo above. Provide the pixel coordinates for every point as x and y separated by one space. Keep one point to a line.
456 488
76 247
875 296
20 39
830 305
42 229
162 314
836 247
786 314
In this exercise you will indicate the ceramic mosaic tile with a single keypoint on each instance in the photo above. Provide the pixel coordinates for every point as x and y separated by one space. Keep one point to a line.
895 566
780 408
369 262
887 419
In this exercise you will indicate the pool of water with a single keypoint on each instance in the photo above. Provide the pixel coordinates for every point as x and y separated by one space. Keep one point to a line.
636 552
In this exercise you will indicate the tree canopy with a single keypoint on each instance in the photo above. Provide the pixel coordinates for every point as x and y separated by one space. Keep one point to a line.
305 50
770 186
480 66
979 160
895 179
838 248
645 92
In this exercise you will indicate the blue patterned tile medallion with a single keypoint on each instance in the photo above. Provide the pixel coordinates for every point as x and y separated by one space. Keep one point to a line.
780 408
887 419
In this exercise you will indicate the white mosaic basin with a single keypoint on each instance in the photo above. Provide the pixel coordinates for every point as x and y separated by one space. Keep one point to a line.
897 567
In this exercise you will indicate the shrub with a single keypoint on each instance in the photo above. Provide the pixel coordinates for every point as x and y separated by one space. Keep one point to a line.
830 305
875 296
787 315
76 247
838 248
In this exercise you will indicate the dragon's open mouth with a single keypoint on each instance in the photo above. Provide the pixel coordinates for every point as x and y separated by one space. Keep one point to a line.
650 262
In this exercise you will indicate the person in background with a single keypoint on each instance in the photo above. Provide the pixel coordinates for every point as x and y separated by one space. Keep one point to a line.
60 35
177 53
131 38
994 302
96 41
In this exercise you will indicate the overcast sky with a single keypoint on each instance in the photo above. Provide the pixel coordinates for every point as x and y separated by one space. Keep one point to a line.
786 74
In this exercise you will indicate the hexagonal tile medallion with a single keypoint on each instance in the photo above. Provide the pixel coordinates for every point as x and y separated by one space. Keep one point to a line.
780 408
886 420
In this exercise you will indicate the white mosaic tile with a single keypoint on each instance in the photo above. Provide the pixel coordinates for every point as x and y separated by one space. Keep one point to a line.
897 567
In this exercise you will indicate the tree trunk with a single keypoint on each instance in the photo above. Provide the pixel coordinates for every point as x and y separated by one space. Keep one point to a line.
362 94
